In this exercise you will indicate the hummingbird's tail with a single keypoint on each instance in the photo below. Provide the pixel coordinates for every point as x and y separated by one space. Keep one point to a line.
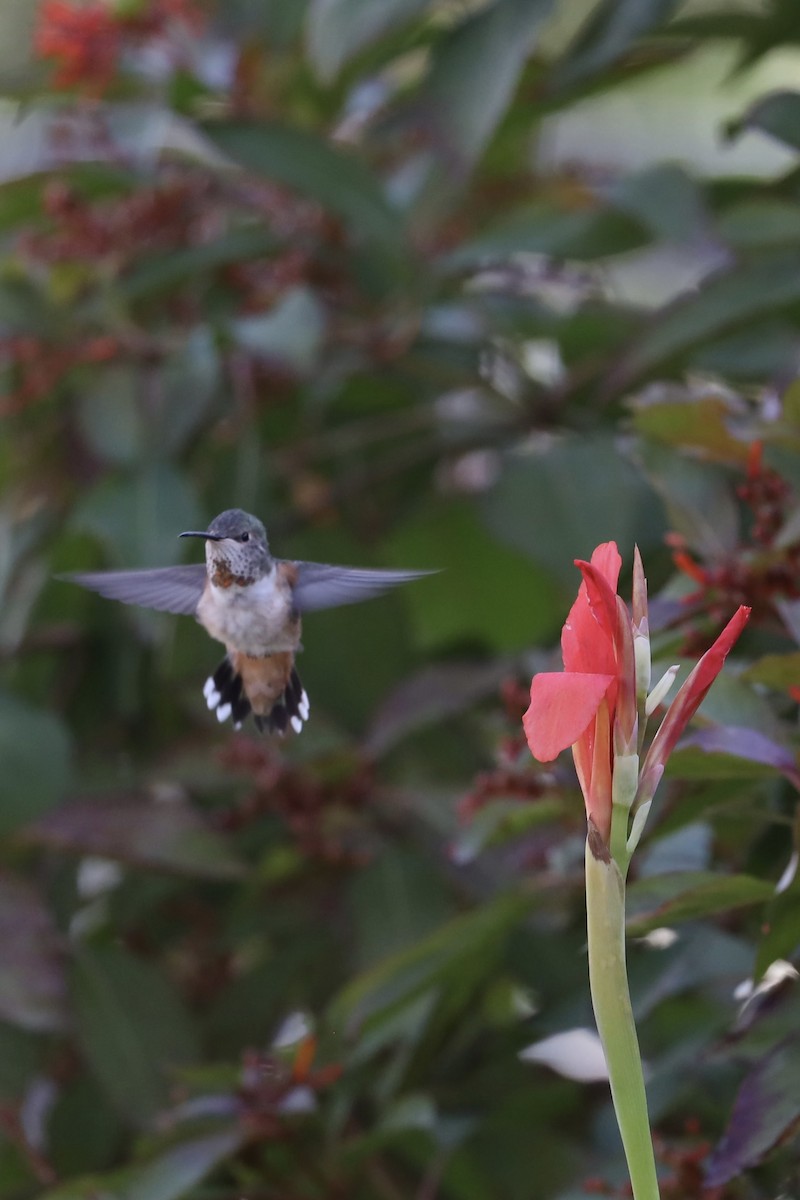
230 689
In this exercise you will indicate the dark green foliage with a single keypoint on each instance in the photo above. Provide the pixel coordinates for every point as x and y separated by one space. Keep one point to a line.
367 269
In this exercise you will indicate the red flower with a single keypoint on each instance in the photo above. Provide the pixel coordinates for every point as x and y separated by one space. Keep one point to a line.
576 707
595 705
84 40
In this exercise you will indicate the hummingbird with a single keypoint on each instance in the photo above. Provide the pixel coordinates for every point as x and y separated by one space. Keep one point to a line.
253 603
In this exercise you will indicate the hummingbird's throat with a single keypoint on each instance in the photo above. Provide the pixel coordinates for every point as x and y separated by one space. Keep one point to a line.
222 575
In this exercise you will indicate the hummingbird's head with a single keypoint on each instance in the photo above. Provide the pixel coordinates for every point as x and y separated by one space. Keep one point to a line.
237 543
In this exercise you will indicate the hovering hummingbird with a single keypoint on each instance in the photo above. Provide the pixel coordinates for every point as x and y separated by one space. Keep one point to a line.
252 603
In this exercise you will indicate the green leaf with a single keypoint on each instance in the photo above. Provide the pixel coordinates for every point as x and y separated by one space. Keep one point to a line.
542 229
473 74
694 422
688 895
664 198
189 381
333 177
431 695
20 1059
729 300
777 115
612 29
698 499
131 1027
501 821
464 948
556 502
780 930
289 334
110 417
139 518
166 1176
727 751
779 671
338 29
395 902
462 602
32 781
166 272
165 837
761 224
766 1108
32 985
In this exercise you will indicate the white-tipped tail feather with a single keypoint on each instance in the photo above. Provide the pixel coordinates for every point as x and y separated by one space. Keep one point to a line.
225 694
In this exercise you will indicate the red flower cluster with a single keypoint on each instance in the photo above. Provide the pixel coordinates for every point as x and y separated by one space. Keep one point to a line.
41 365
86 40
83 40
763 569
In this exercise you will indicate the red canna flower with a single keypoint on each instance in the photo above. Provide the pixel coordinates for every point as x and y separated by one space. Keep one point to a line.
597 703
576 707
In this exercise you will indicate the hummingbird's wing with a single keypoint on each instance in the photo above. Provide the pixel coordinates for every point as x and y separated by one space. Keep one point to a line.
169 589
321 586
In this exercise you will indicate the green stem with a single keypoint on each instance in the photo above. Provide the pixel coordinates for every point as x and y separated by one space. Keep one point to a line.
608 980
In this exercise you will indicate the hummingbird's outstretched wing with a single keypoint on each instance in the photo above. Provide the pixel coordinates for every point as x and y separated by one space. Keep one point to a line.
169 589
321 586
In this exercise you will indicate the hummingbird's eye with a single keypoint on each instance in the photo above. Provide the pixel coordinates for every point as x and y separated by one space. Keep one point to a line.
244 537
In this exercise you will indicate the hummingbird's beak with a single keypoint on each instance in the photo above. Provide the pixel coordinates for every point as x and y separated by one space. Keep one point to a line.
211 537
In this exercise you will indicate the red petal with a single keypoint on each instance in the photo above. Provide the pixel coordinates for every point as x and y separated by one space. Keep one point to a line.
694 691
587 642
562 707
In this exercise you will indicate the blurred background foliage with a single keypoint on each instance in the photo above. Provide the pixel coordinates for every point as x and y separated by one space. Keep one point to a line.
473 286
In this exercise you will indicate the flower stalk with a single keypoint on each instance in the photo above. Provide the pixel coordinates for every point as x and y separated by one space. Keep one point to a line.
600 705
608 981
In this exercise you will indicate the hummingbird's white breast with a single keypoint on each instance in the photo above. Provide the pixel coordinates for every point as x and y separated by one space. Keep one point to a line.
254 618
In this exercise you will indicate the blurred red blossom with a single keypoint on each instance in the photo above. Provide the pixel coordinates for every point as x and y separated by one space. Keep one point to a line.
84 40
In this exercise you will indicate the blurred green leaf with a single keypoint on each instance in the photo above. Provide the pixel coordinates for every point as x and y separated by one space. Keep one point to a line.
500 821
609 32
698 423
32 985
131 1027
472 76
395 902
665 198
728 300
697 498
168 1175
556 502
31 781
588 233
780 931
333 177
731 751
452 538
338 29
430 696
110 415
139 518
20 1060
766 1108
162 272
779 671
761 224
776 114
687 895
289 335
168 837
466 946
